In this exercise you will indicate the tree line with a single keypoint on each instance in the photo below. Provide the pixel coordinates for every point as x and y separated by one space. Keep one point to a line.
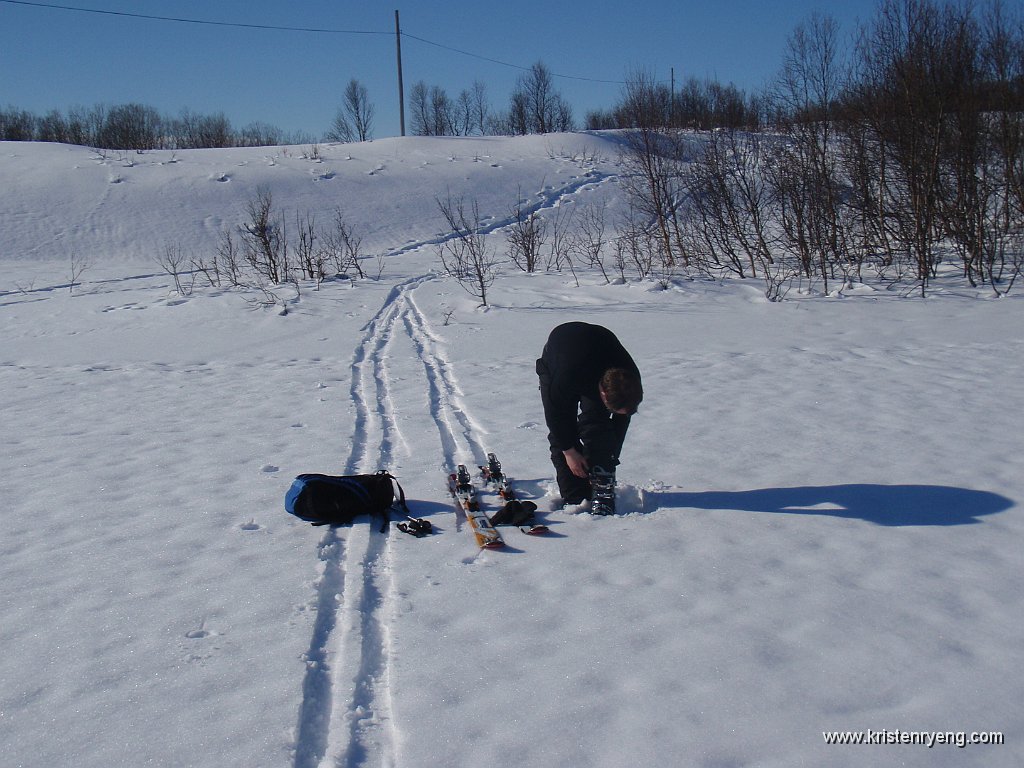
138 127
535 106
902 156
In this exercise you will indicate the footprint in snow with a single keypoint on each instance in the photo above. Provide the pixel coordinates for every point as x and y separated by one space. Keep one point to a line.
201 633
269 469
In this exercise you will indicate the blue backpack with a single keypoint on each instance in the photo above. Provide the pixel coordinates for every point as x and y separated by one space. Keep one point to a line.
338 500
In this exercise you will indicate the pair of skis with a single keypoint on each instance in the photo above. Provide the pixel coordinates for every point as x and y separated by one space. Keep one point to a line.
466 496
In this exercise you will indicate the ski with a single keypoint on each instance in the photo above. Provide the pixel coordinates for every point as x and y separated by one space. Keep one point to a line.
464 492
499 483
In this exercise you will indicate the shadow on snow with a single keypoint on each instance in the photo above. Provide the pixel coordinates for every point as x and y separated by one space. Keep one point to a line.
892 505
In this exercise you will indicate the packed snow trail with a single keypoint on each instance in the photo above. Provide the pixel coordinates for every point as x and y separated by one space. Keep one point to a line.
345 714
457 430
345 717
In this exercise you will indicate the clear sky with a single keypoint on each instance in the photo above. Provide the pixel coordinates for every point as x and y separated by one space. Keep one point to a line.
54 57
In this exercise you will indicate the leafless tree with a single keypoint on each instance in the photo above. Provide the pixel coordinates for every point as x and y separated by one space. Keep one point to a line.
344 246
480 111
634 245
804 169
257 134
1002 57
132 127
535 106
229 260
173 260
468 114
311 257
653 158
981 150
265 240
419 109
525 236
354 119
209 267
432 112
560 225
192 130
77 267
17 125
464 252
730 202
591 236
900 102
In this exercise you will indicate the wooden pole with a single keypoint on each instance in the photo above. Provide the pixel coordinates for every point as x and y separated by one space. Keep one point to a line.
401 88
672 101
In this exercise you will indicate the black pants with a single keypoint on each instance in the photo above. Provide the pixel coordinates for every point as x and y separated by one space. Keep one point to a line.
601 444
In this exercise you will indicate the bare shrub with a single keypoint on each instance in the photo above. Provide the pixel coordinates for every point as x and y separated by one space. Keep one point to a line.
229 260
78 265
635 244
464 253
525 236
559 250
343 245
311 257
265 240
590 238
173 260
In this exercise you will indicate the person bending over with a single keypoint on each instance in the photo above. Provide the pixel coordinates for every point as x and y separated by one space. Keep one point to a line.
589 387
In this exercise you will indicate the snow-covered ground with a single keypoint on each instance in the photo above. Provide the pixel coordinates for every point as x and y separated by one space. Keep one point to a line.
822 526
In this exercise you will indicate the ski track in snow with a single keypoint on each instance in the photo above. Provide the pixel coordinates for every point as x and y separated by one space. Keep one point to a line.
447 408
547 198
345 718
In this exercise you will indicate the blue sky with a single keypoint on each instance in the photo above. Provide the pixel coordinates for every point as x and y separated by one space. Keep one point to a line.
53 58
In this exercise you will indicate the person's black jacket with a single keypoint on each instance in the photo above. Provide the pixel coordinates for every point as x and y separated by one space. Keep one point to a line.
574 360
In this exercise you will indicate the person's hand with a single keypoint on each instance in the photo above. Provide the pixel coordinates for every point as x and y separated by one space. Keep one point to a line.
577 462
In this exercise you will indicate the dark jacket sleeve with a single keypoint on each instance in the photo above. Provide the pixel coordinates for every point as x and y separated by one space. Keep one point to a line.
560 409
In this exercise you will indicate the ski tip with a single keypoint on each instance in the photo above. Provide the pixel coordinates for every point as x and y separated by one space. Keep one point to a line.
493 545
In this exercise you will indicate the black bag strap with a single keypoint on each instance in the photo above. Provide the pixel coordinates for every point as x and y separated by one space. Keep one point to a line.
401 491
401 500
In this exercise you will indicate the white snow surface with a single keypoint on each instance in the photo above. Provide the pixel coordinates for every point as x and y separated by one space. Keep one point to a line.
821 526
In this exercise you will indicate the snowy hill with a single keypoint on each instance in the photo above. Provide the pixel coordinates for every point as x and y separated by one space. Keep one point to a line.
124 205
821 496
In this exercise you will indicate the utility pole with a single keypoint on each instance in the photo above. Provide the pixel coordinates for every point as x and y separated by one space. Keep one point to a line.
672 101
401 88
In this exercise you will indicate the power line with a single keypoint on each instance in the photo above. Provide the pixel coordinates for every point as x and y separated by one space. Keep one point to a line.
505 63
205 22
316 30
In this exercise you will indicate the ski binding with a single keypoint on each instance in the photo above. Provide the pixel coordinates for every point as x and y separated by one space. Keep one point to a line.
461 486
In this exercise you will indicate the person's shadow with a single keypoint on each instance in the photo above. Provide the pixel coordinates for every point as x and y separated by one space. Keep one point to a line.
895 505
